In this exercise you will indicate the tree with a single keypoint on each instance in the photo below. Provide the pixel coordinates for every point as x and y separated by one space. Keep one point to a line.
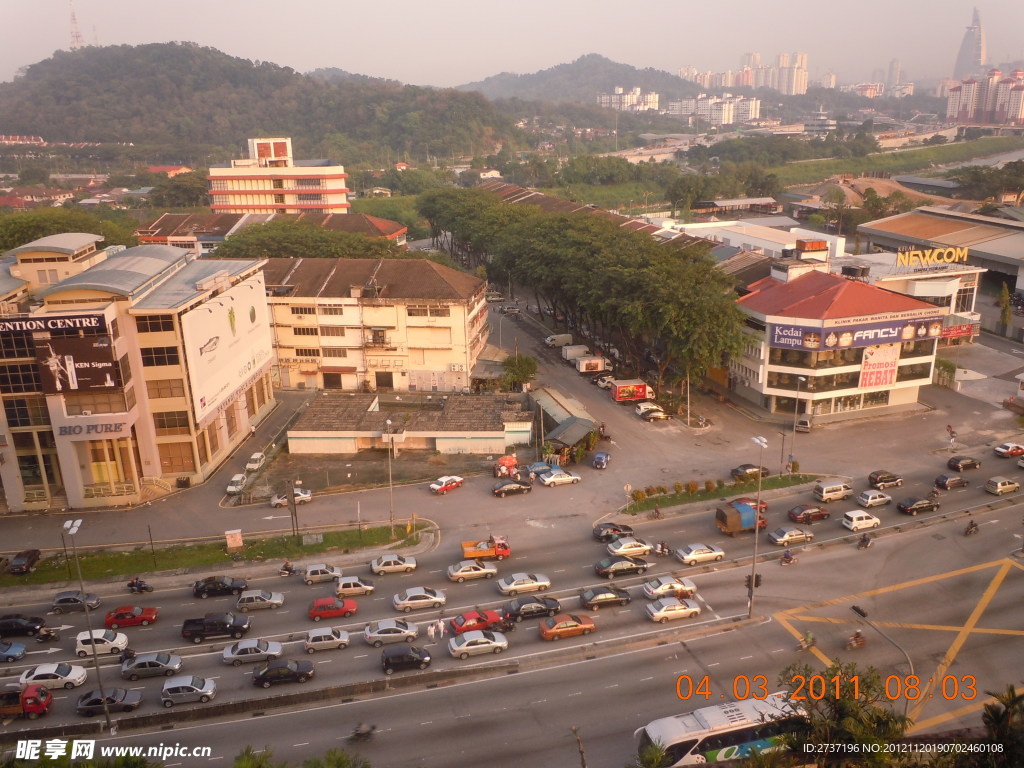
186 190
20 228
835 206
1005 306
33 174
519 369
290 238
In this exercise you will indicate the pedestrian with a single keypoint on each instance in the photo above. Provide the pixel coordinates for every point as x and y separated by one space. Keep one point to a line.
441 629
533 477
432 633
252 429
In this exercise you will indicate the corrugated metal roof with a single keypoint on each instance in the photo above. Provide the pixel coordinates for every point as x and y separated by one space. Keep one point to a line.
179 289
124 273
67 242
9 283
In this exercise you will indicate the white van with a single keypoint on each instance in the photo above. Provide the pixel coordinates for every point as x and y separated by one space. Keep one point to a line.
858 520
236 484
832 490
558 339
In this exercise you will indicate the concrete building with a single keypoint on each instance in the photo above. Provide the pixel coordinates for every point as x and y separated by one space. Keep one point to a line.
633 100
989 99
970 59
775 243
270 180
125 371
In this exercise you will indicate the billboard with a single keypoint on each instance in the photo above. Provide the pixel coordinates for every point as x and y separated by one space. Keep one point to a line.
880 365
786 336
77 364
227 341
93 323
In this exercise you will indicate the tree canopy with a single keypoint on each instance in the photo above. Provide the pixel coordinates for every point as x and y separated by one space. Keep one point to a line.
17 229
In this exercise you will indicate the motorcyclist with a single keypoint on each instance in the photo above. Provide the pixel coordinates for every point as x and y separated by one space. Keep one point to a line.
127 654
787 556
856 639
136 584
808 640
287 567
972 527
362 731
663 548
865 541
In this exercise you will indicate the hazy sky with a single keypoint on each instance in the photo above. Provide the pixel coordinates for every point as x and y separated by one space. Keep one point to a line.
450 42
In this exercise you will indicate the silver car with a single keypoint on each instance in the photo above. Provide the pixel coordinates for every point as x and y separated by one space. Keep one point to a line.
668 608
245 651
378 633
325 639
692 554
627 546
254 599
471 569
868 499
476 642
415 598
184 689
321 572
151 665
392 563
518 583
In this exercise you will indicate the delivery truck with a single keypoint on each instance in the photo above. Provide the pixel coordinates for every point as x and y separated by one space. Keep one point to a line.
32 702
592 364
738 518
491 548
631 390
558 339
571 351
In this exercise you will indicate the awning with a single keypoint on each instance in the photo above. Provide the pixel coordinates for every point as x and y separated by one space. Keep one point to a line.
571 431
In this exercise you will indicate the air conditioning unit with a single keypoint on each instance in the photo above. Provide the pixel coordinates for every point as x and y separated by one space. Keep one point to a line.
86 413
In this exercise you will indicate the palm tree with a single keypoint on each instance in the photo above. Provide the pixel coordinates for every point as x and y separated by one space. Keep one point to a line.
1004 714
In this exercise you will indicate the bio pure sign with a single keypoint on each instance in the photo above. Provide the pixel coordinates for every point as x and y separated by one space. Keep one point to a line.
804 337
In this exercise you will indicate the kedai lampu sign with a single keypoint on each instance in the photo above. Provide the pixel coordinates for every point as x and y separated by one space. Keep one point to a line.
931 257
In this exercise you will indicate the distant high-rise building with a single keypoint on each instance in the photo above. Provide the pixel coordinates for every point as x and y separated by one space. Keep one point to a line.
828 80
971 58
752 60
895 73
782 60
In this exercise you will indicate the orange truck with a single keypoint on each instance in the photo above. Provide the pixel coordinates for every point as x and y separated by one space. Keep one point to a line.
491 548
32 702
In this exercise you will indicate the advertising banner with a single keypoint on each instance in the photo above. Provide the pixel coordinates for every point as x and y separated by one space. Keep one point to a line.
227 341
854 335
94 323
77 364
879 366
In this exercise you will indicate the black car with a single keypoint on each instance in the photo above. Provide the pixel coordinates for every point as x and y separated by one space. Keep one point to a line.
913 505
620 565
118 700
16 624
960 463
748 472
530 608
74 600
598 597
215 586
949 482
881 479
403 656
283 671
608 531
808 513
25 561
511 485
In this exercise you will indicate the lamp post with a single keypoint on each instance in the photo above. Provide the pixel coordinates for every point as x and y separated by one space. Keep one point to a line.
391 487
863 614
71 529
796 413
761 443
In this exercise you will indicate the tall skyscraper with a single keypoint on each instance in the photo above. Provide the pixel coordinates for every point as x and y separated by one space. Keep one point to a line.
971 58
895 73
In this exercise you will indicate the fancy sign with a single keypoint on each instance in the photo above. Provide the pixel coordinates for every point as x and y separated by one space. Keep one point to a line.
854 335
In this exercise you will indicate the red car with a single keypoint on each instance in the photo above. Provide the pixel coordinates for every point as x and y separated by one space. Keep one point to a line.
331 608
475 620
130 616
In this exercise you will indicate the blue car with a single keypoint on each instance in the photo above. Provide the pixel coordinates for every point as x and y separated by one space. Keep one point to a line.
538 468
11 651
601 460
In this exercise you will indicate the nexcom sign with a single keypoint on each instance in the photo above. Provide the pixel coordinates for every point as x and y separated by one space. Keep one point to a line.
931 257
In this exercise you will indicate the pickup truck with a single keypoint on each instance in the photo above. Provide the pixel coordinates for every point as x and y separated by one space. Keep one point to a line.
32 702
491 548
738 518
215 625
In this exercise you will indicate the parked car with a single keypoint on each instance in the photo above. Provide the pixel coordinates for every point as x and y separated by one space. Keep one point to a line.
447 483
595 598
1009 449
398 657
117 700
668 608
808 513
960 463
473 620
511 485
950 481
392 563
11 652
283 671
255 599
248 651
319 572
331 608
73 600
748 472
130 616
255 462
518 583
378 633
471 569
185 689
530 607
914 505
650 412
24 562
611 567
881 479
416 598
607 531
151 665
236 484
566 625
628 546
868 499
538 468
301 496
602 377
601 460
325 638
669 586
16 624
559 477
477 642
694 554
60 675
789 534
215 586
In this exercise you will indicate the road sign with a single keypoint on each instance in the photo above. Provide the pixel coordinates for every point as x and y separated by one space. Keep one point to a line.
627 487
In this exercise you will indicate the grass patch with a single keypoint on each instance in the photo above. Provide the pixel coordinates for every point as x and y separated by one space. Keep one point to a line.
748 488
100 565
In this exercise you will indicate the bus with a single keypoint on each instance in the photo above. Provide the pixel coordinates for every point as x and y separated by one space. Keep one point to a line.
722 732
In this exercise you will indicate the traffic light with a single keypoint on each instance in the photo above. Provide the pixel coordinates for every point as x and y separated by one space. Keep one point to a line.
746 581
757 580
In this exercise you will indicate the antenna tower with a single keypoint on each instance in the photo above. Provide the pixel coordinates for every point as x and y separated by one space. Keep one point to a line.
77 41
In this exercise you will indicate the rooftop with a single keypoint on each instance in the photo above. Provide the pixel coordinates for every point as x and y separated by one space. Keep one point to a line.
125 273
67 242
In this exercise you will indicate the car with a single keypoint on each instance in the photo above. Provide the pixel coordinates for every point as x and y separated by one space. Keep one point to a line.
447 483
477 642
403 657
600 377
914 505
248 651
594 598
951 481
255 599
651 412
628 546
868 499
1007 450
10 652
102 640
518 583
760 505
610 567
24 562
607 531
471 569
559 477
881 479
301 496
283 671
510 310
130 616
255 462
348 586
808 513
511 485
694 554
789 534
1000 485
601 460
331 608
960 463
669 608
530 607
187 688
60 675
669 586
566 625
605 382
116 700
325 638
151 665
16 624
378 633
748 472
215 586
390 562
74 600
416 598
538 468
319 572
858 520
236 484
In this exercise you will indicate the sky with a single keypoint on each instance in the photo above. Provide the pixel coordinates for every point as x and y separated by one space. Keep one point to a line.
451 42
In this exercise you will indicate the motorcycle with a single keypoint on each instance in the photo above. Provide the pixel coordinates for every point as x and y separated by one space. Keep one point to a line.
971 529
855 641
864 543
662 551
506 625
290 570
805 644
362 734
138 587
787 561
934 494
47 635
126 655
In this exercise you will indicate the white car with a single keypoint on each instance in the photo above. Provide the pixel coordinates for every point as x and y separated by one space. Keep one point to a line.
559 477
418 597
104 640
389 562
692 554
668 608
471 569
868 499
255 462
650 412
518 583
302 496
54 675
476 642
385 631
447 483
235 485
325 638
1007 450
627 546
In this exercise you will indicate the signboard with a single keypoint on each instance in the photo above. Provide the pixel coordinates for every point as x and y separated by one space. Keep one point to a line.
77 364
958 331
879 366
854 335
931 257
227 342
95 323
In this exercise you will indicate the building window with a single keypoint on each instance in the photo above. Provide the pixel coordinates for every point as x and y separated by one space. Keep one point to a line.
219 185
99 402
310 198
964 300
171 422
47 276
440 312
332 310
305 331
416 311
299 310
159 388
176 457
154 323
26 412
19 377
335 352
307 352
279 199
124 369
309 183
17 345
153 356
277 183
332 330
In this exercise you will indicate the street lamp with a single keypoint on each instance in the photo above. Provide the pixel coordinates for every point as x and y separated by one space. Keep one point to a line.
761 443
391 487
863 614
796 413
71 528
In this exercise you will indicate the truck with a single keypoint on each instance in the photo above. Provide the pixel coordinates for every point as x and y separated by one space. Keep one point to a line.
558 339
571 351
506 466
630 390
32 702
738 518
592 364
215 625
491 548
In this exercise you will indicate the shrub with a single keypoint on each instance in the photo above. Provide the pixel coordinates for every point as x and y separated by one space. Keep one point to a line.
709 485
692 486
662 490
796 467
721 484
678 487
639 495
650 490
